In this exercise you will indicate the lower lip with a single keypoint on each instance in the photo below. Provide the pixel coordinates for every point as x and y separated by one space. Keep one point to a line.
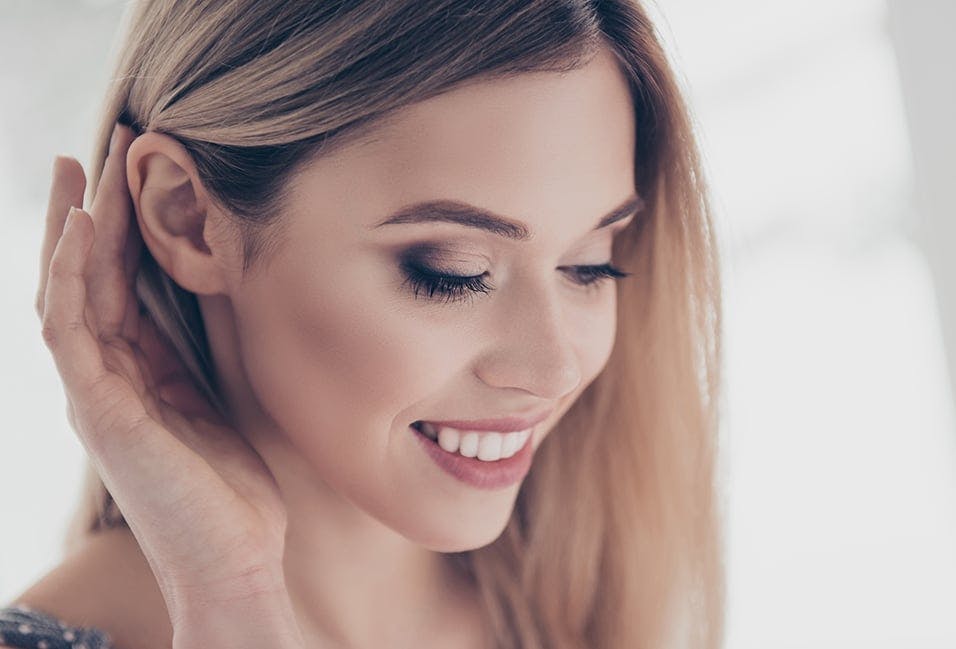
478 473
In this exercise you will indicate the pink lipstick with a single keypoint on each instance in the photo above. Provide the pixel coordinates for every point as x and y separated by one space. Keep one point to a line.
482 474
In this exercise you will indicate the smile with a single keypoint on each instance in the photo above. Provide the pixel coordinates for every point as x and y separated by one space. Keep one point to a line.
496 472
487 446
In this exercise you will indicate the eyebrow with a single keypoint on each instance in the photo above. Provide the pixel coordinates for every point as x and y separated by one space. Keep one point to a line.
470 216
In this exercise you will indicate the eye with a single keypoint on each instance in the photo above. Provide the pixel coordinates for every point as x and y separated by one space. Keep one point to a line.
456 288
593 275
448 288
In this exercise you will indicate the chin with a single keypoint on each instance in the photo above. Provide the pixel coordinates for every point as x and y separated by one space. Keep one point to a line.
463 544
460 537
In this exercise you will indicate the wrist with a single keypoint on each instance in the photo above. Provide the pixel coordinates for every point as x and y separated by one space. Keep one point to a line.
253 622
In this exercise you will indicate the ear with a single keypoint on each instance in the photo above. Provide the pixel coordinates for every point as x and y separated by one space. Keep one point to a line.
186 233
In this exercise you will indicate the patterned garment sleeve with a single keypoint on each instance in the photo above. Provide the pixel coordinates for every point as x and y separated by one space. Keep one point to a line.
22 626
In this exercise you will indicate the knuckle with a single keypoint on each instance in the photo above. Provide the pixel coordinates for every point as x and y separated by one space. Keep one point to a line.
50 333
54 331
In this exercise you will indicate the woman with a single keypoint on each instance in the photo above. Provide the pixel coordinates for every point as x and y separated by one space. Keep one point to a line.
341 334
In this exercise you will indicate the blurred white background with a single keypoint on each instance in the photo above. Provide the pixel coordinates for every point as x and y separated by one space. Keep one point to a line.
828 136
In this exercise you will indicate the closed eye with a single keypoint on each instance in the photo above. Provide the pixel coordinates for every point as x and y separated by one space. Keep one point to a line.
454 288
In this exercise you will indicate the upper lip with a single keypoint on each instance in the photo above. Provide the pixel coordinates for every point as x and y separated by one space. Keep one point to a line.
500 424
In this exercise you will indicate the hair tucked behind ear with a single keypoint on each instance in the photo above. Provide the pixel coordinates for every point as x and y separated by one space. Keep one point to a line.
615 540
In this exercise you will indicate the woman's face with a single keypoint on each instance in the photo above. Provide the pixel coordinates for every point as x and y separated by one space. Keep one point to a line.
343 356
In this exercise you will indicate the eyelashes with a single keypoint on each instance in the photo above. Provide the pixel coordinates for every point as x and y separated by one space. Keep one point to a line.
448 288
455 288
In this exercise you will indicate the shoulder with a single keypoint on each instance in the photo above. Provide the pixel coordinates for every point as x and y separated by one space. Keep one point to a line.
105 584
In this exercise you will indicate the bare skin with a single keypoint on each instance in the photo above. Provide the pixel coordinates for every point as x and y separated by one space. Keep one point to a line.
315 493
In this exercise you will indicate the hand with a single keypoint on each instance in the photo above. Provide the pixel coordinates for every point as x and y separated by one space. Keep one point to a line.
200 501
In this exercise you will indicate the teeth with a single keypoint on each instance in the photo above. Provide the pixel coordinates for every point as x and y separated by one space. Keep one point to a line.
449 440
468 446
512 442
487 447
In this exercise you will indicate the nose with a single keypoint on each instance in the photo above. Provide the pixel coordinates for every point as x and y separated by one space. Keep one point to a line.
531 348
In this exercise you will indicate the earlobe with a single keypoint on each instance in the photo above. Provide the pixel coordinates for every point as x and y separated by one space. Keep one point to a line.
180 226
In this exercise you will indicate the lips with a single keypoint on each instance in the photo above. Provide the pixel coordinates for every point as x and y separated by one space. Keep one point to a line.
479 473
507 424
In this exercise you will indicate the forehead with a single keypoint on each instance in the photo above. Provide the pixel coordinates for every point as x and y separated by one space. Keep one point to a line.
529 145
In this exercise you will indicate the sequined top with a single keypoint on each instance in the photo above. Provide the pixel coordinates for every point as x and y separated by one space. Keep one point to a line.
26 627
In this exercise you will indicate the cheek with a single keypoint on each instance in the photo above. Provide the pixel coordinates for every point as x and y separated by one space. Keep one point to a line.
595 326
343 359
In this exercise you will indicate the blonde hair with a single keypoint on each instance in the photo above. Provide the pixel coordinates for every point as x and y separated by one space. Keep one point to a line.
615 540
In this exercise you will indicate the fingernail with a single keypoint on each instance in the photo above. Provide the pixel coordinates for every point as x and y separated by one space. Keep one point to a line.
70 217
113 137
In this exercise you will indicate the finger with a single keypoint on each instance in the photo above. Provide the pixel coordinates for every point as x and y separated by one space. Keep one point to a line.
104 410
70 414
75 350
66 190
109 289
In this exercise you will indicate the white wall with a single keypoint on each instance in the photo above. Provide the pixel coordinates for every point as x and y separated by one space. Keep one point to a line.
839 422
926 50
